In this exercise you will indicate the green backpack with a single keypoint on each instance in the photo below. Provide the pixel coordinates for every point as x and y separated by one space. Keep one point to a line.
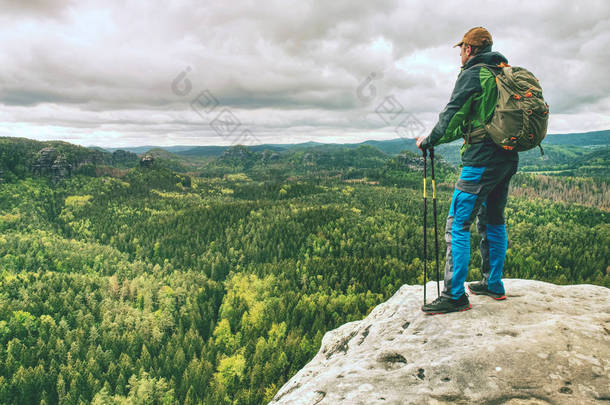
521 117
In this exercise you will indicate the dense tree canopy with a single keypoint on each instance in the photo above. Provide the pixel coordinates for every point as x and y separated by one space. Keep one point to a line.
158 287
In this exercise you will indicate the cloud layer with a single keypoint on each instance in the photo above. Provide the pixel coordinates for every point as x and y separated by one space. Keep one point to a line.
123 73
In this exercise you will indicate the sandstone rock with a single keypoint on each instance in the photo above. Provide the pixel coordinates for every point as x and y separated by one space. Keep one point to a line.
50 162
44 161
61 168
545 344
147 161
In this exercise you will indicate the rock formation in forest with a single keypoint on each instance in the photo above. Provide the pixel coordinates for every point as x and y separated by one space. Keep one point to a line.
50 162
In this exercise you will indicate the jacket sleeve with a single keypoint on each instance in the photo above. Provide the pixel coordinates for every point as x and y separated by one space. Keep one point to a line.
452 120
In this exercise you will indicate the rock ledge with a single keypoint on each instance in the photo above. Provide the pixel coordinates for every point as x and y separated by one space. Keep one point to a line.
545 344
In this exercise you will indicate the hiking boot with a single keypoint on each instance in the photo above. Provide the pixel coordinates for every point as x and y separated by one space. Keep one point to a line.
479 288
443 305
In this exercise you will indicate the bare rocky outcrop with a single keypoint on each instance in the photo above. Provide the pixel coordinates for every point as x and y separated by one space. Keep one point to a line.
50 162
545 344
147 161
61 168
44 160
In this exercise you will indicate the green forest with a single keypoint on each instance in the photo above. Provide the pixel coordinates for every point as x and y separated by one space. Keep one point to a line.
190 278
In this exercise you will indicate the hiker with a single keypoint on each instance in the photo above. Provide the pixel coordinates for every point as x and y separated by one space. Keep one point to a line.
482 188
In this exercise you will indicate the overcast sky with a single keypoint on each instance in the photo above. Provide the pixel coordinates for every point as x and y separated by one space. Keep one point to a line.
127 73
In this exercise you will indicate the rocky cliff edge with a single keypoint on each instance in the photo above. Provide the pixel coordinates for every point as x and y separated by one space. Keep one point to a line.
544 344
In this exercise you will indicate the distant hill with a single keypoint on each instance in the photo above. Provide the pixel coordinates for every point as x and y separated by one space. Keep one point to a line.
579 139
143 149
21 157
390 146
202 151
554 145
298 160
571 154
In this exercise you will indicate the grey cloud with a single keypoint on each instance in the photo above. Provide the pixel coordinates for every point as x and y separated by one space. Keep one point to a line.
24 97
281 65
34 8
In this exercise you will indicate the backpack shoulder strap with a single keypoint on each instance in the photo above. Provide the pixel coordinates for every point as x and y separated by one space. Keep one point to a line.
494 69
479 134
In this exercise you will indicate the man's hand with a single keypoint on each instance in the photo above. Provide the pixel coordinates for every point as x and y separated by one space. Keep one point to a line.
419 141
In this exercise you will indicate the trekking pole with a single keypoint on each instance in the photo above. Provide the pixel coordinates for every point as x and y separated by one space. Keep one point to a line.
425 220
438 284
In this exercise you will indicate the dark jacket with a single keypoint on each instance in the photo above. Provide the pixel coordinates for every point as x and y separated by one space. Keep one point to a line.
471 105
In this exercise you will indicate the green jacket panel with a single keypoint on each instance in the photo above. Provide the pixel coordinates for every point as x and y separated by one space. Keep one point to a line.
472 103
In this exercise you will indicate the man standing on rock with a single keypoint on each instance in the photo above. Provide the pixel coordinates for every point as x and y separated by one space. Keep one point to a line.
482 188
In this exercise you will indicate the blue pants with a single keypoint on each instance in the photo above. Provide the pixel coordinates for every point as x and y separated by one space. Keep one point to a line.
480 192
